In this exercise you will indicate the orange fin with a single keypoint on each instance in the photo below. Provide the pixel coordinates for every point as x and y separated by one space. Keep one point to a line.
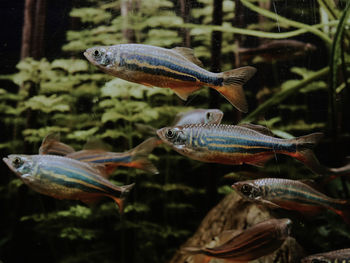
345 213
232 90
184 92
125 189
307 156
260 162
140 154
188 53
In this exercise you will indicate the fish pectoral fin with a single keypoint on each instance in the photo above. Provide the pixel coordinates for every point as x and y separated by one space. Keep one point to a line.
269 204
258 128
188 53
184 92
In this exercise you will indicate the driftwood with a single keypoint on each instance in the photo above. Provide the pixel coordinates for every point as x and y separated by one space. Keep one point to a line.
235 213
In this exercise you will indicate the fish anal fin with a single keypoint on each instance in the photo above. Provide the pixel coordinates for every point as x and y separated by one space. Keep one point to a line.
260 161
188 53
120 203
258 128
184 92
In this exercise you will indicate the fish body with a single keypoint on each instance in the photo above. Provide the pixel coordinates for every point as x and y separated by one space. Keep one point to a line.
277 50
250 244
204 116
136 157
65 178
291 195
175 68
336 256
237 144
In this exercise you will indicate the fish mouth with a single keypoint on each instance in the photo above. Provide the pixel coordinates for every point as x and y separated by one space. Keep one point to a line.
9 164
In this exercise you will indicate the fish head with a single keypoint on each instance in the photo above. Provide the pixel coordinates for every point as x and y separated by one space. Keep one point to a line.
103 56
248 190
20 164
173 136
213 116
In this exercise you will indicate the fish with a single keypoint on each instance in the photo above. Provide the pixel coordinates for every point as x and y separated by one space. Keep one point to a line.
135 158
209 116
204 116
51 145
256 241
177 69
291 195
65 178
277 50
336 256
238 144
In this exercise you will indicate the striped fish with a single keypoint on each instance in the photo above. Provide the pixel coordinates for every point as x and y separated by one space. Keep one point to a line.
238 144
291 195
136 157
336 256
177 69
65 178
257 241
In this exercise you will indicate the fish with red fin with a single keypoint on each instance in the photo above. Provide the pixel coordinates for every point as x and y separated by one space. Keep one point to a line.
177 69
291 195
336 256
135 158
254 242
65 178
238 144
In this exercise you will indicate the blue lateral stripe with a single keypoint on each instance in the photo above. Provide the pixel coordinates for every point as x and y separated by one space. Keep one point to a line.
123 159
77 176
73 185
172 66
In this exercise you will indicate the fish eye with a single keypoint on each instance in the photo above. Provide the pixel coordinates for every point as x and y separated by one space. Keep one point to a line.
208 115
246 189
96 53
17 162
170 134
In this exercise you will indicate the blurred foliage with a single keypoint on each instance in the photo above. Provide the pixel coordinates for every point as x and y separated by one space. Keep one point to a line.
73 98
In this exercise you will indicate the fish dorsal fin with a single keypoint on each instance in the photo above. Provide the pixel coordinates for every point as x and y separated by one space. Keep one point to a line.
189 54
259 128
51 145
96 144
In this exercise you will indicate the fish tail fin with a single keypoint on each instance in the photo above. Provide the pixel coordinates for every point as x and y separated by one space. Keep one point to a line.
305 154
140 155
125 189
232 90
